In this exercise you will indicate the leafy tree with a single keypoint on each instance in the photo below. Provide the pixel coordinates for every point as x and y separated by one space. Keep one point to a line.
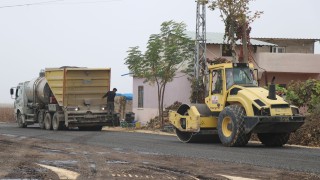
165 54
237 18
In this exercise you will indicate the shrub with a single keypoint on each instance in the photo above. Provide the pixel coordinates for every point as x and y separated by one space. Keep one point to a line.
305 93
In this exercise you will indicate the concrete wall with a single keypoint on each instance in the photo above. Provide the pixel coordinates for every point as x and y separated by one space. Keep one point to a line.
293 45
289 62
215 50
177 90
286 78
287 67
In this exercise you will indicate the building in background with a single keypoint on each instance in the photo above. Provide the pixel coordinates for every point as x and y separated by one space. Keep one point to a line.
286 59
291 59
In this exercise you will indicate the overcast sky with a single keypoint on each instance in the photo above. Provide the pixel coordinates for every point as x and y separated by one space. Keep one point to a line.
98 34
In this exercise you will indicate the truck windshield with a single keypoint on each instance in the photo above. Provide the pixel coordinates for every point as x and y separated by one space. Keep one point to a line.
241 76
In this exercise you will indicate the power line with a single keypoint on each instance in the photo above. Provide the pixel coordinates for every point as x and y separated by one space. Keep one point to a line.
54 2
30 4
85 2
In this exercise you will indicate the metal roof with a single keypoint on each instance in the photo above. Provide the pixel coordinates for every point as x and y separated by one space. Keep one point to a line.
278 38
217 38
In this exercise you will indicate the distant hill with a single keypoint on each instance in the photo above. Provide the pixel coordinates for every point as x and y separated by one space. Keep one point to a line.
127 95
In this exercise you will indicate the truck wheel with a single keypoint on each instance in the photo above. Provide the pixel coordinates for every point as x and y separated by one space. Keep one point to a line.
20 121
274 139
83 128
48 121
96 128
40 120
56 124
231 126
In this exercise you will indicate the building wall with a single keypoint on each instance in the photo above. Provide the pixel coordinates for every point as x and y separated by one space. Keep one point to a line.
289 62
177 90
287 67
286 78
215 50
293 45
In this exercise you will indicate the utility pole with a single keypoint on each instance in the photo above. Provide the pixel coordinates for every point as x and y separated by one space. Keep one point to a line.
200 59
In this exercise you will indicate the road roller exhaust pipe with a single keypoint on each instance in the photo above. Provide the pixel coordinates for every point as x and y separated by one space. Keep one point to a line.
272 90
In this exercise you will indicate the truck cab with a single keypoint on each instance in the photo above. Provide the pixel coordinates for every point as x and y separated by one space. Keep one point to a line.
223 77
20 104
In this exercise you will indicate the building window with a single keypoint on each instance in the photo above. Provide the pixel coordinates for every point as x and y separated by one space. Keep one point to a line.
226 50
140 96
278 49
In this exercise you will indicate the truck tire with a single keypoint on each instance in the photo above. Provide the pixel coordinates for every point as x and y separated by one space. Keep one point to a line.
274 139
96 128
231 126
48 121
56 124
20 122
41 119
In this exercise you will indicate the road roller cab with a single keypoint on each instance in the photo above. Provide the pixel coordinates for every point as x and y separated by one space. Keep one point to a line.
236 107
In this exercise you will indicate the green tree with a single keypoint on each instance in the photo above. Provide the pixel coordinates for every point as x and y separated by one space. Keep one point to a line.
166 53
237 18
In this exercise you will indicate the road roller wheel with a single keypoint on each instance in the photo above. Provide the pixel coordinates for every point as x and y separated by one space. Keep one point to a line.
231 127
185 137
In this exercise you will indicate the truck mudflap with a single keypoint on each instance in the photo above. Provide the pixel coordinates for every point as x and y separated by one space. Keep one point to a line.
273 124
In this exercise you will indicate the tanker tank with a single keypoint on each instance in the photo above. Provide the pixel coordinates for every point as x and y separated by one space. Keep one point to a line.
39 88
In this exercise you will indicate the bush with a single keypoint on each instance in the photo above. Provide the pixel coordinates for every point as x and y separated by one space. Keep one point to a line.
305 93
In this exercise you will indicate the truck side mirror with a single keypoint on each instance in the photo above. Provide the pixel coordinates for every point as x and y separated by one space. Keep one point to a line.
11 91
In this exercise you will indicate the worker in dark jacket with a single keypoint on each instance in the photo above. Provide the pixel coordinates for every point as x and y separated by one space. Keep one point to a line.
110 100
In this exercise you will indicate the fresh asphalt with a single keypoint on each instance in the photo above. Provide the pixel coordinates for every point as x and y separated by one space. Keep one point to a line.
294 158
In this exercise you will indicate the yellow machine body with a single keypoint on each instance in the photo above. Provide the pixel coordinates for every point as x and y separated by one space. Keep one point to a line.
234 84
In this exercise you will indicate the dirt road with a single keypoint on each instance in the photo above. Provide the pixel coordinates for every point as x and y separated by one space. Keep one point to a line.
39 154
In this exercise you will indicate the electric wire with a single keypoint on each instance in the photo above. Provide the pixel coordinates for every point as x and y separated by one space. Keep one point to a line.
56 2
84 2
30 4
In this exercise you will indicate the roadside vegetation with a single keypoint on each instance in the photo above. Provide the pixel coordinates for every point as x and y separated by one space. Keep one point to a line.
6 113
305 95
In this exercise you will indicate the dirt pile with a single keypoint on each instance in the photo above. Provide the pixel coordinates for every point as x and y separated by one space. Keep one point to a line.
308 134
155 122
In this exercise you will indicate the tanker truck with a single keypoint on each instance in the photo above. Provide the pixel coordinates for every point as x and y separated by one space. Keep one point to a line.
64 97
